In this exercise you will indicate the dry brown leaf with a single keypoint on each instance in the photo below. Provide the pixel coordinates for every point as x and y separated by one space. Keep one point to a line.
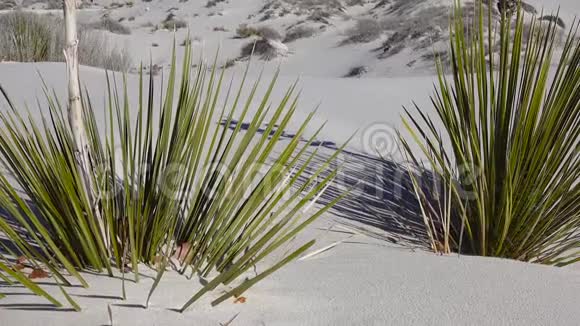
21 260
18 267
182 251
38 273
157 259
240 300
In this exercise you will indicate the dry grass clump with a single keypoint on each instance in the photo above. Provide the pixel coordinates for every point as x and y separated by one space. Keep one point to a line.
52 4
260 47
245 31
8 4
213 3
315 10
30 37
299 32
220 29
266 49
95 49
172 23
106 23
554 19
365 30
356 72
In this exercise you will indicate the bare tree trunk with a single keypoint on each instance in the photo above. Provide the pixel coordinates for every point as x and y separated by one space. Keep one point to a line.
75 110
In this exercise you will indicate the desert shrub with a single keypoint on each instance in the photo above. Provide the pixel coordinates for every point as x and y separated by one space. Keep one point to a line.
506 156
507 6
8 4
214 199
351 3
364 31
357 71
30 37
269 33
394 44
106 23
53 4
528 8
115 5
320 15
266 49
172 23
403 8
213 3
229 63
96 50
245 31
259 47
554 19
299 32
219 29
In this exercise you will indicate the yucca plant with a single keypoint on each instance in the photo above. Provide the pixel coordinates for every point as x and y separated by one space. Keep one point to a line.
170 182
504 142
25 37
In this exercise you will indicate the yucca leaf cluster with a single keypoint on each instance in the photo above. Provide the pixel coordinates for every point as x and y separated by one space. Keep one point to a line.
174 188
504 142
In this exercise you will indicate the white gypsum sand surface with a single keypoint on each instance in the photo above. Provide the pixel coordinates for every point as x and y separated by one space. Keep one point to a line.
359 281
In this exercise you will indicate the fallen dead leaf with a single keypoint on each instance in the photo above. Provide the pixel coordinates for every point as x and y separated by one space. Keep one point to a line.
240 300
21 260
182 251
157 259
18 267
38 273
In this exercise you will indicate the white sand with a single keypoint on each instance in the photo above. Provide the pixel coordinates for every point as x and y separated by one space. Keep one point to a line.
361 281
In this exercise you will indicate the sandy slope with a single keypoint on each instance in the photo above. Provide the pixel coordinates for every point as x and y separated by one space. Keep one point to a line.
411 33
361 281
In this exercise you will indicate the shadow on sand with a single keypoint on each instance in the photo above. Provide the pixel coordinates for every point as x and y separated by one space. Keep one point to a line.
381 191
33 307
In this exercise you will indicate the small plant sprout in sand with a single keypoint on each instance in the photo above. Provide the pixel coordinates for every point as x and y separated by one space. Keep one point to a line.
507 154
